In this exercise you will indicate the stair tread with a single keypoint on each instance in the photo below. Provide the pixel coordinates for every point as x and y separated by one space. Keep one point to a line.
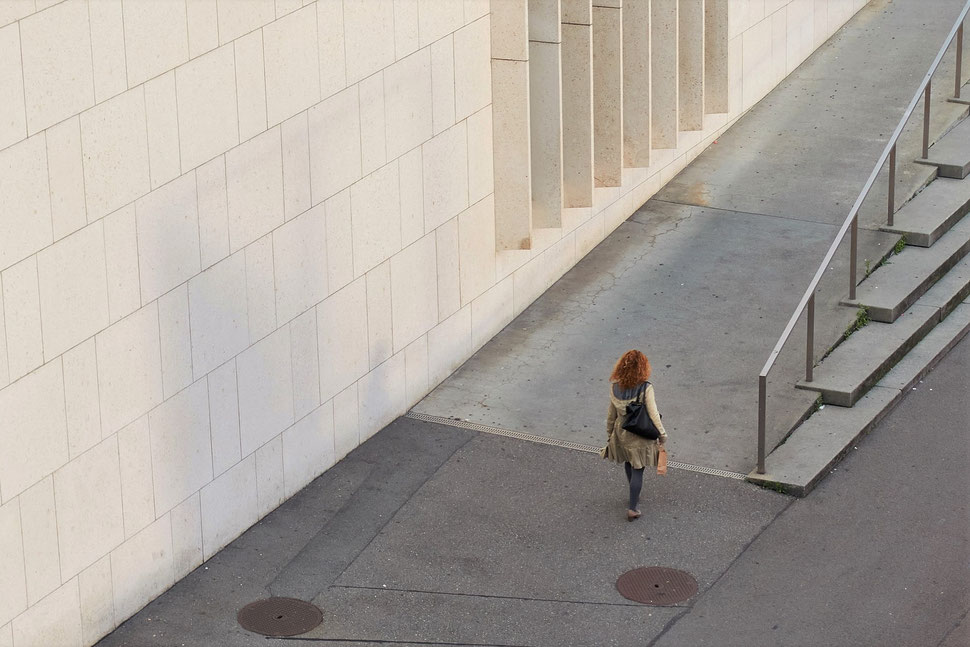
952 288
921 358
953 149
906 276
932 212
867 354
818 443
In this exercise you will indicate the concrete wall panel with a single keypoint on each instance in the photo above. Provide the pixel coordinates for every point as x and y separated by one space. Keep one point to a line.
87 494
57 68
577 114
664 79
39 527
55 620
448 261
135 462
22 319
636 83
716 90
607 95
129 368
66 169
545 131
13 115
690 65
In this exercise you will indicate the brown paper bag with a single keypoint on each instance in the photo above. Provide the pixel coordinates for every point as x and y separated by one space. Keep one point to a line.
662 462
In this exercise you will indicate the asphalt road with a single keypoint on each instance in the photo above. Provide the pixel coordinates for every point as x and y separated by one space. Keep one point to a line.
878 555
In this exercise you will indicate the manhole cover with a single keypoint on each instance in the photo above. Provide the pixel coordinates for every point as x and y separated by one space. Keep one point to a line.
279 617
656 585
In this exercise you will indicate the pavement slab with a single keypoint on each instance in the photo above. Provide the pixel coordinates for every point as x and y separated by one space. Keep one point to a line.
806 150
681 284
442 619
506 518
437 534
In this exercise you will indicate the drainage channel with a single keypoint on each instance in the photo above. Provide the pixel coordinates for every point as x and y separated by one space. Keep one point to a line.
580 447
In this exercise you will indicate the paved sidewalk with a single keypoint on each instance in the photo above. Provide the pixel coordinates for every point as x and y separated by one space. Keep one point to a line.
437 534
704 277
432 535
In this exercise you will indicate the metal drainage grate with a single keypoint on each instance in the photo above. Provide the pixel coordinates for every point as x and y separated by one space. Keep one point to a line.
657 586
279 617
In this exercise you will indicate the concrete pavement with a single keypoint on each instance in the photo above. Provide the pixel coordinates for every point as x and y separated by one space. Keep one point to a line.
704 277
428 533
433 535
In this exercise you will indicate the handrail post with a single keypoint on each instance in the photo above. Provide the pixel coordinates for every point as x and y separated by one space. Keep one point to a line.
762 405
926 118
853 253
810 341
892 185
959 74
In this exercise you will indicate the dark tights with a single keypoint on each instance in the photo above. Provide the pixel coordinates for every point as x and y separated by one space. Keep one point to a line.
635 477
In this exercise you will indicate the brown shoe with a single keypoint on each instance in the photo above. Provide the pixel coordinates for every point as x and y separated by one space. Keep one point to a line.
632 514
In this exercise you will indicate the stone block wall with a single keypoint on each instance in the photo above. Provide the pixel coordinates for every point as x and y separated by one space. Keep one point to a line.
238 238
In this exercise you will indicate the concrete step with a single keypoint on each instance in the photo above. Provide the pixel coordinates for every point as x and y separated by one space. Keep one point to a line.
950 290
951 153
931 213
896 285
867 355
813 448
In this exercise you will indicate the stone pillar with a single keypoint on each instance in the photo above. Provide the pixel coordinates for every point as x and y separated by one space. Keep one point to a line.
636 83
663 77
690 65
545 112
715 56
577 102
607 92
510 125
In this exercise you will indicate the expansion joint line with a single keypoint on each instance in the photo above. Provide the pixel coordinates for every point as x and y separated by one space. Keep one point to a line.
385 589
555 442
358 641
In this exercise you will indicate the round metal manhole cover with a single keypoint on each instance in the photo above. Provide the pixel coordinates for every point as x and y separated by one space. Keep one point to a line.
656 585
279 617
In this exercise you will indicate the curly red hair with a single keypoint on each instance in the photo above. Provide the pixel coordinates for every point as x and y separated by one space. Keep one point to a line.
631 369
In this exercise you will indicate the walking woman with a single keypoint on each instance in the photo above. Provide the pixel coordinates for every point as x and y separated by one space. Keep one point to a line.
629 383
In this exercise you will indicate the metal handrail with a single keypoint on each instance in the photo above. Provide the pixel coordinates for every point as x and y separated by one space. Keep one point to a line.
851 224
